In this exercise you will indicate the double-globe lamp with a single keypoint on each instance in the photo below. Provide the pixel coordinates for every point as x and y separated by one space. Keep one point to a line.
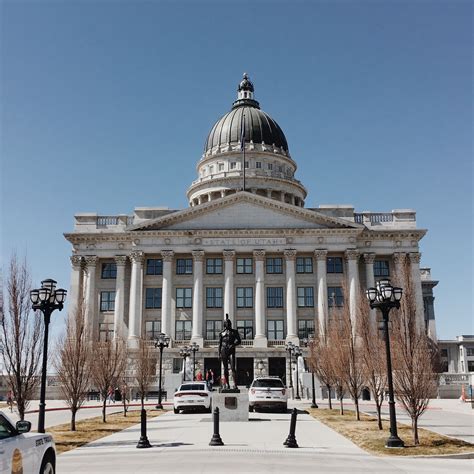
385 297
46 299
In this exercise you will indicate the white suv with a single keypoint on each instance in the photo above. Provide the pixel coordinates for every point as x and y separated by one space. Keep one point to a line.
192 396
268 392
20 451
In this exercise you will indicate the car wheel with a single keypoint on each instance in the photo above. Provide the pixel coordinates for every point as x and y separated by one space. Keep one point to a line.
251 408
176 411
47 466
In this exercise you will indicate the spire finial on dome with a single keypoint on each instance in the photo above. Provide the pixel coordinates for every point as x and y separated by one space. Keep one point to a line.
245 89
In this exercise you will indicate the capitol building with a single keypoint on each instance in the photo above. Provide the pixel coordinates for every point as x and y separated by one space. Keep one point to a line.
246 246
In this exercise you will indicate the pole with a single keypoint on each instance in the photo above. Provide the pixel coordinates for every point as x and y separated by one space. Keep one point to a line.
313 403
393 441
42 404
194 364
242 144
291 371
160 406
184 368
297 382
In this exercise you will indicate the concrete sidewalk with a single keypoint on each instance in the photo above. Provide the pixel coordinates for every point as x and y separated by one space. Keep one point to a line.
181 445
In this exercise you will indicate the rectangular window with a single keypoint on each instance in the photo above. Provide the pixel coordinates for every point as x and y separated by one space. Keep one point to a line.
444 366
154 266
106 332
470 365
444 352
153 298
305 297
211 169
107 300
469 351
245 328
270 166
275 329
381 268
213 266
183 330
152 329
184 266
245 297
258 164
246 164
305 328
184 297
274 297
109 271
214 297
335 296
245 265
177 365
334 264
221 166
304 265
233 165
213 328
274 265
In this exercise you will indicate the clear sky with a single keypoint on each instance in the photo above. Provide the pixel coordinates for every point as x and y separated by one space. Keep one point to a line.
106 106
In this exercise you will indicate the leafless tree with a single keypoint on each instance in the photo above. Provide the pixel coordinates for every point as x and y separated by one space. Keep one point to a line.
320 360
145 369
21 336
108 365
73 363
414 355
124 393
373 357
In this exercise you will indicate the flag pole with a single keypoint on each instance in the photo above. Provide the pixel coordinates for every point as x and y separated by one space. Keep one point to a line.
242 144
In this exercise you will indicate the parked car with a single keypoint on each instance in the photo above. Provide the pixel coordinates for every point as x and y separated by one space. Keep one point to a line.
268 392
192 396
23 452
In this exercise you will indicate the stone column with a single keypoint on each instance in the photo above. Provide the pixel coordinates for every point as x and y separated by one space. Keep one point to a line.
260 339
290 257
322 289
352 258
229 257
198 256
90 299
136 292
166 290
399 259
120 261
75 294
369 259
415 258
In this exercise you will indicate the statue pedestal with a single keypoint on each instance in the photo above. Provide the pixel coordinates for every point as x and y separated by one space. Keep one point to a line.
233 406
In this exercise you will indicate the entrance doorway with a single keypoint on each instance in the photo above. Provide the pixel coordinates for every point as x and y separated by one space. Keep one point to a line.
244 370
277 367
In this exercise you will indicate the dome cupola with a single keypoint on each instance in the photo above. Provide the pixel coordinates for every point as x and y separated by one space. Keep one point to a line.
246 130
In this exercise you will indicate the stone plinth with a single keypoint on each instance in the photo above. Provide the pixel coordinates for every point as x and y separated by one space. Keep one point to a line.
232 406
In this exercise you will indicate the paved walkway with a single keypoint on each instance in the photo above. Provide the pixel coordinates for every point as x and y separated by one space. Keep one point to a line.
181 445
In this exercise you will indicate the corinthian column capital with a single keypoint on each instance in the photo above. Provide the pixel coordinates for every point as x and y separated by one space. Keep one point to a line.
320 254
120 260
167 255
137 256
399 257
259 255
414 257
290 254
76 262
351 254
369 258
198 255
91 260
229 255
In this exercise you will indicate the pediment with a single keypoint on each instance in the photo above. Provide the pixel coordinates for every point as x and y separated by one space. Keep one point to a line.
244 210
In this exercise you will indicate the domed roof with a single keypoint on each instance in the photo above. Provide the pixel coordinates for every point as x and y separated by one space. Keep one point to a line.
259 127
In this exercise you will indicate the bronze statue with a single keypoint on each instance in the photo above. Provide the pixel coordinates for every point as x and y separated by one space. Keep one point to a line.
228 340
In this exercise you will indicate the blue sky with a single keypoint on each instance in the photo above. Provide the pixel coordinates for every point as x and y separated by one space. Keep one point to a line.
106 107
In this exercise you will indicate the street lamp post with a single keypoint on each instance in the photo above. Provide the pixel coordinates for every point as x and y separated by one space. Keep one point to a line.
194 348
310 343
46 299
161 342
290 348
184 353
297 352
385 297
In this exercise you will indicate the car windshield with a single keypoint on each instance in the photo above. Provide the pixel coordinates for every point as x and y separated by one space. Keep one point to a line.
192 386
271 383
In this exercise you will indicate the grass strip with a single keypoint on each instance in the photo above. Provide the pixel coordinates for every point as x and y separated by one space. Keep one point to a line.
366 435
92 429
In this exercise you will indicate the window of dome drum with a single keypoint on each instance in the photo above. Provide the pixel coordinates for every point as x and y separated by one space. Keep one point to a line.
154 266
109 271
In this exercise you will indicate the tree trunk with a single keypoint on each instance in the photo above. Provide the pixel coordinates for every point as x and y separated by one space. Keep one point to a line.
329 396
73 418
379 415
341 406
414 428
356 403
124 405
104 405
